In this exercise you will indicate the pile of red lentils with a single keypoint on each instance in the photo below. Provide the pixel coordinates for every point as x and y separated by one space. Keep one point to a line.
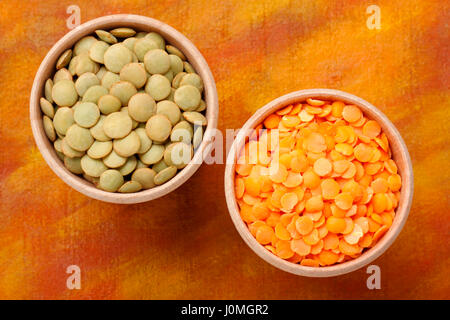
318 186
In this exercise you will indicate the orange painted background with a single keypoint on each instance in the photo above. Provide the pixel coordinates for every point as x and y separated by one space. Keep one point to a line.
184 246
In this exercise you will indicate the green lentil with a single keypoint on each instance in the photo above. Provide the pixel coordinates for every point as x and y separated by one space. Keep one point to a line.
92 167
187 97
129 166
85 64
175 51
110 180
48 128
85 81
116 57
47 108
177 79
157 61
117 125
145 141
170 110
141 107
73 165
123 32
142 46
158 87
134 73
121 95
153 155
68 151
192 79
94 93
195 118
63 119
64 93
64 59
157 38
128 145
145 176
48 90
158 128
165 175
106 36
97 51
83 45
86 114
97 131
130 186
99 149
123 90
62 74
113 160
79 138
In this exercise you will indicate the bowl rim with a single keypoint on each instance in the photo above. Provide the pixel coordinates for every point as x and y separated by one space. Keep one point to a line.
400 154
140 23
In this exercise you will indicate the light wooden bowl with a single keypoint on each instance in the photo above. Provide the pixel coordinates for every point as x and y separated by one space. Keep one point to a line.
400 155
139 23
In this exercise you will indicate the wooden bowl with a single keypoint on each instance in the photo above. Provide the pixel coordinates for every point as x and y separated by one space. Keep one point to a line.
139 23
400 155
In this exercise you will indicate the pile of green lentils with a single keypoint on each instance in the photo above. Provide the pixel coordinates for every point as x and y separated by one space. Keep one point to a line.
124 110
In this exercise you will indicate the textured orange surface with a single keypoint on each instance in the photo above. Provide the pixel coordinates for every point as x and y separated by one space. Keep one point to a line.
184 246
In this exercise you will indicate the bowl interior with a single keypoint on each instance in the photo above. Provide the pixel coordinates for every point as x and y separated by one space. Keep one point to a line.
139 23
399 153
